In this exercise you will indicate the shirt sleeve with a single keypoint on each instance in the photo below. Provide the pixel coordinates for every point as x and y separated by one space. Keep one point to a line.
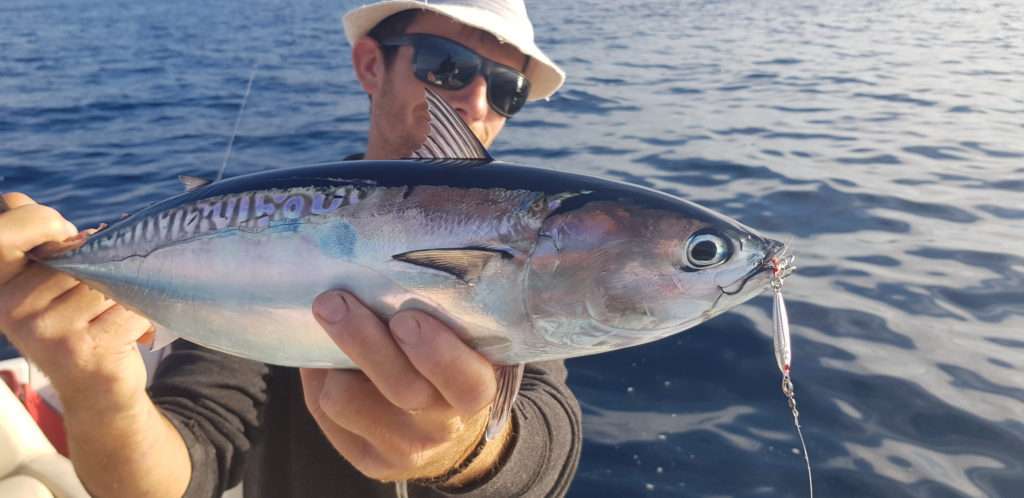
214 400
547 436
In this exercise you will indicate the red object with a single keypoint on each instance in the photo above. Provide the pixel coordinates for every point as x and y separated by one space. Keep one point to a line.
49 420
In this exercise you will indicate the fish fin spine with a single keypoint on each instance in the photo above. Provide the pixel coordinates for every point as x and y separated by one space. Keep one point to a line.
509 378
193 182
449 138
466 264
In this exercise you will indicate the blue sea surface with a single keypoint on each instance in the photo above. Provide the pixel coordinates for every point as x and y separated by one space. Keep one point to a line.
883 140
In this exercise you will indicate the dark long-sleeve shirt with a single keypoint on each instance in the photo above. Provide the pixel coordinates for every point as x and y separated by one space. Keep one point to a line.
244 420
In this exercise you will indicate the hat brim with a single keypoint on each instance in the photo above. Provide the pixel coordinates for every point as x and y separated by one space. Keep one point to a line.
544 75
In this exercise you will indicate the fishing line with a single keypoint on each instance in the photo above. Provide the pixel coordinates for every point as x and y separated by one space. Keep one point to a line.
753 273
787 389
238 121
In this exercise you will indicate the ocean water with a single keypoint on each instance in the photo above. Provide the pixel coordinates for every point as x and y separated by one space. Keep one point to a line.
882 139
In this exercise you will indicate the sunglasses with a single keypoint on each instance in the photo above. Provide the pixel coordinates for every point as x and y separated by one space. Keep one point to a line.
449 65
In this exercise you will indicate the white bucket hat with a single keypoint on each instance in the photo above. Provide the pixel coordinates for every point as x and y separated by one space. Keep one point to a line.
507 20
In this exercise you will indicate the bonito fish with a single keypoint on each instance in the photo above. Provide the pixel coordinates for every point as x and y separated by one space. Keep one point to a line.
526 264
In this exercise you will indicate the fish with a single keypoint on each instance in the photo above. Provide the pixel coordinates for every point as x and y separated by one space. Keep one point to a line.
525 263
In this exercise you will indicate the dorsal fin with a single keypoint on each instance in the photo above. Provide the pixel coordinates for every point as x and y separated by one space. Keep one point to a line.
193 182
449 138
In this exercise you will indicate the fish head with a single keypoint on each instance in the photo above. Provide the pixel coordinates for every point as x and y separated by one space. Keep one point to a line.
610 275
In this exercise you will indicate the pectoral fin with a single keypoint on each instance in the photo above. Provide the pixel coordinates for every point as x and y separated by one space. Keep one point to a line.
466 264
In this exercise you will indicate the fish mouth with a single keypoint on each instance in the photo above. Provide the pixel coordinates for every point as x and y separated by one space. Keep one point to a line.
776 260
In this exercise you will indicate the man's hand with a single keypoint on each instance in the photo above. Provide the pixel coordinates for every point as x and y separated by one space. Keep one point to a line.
85 343
81 339
419 404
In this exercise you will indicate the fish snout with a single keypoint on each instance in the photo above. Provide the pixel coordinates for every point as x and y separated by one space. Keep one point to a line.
771 259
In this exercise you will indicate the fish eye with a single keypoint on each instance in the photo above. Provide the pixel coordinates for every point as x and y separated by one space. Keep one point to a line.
705 250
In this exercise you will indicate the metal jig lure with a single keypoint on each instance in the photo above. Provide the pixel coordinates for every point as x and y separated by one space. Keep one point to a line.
782 267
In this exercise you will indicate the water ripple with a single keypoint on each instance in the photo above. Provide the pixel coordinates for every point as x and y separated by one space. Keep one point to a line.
900 98
877 159
932 152
850 323
575 101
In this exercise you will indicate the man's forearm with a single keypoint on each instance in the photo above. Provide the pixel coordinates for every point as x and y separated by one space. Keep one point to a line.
127 451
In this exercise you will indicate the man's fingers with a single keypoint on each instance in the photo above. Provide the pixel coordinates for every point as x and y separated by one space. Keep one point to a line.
368 342
464 377
357 450
56 331
312 385
80 305
118 320
31 225
11 200
32 290
351 400
24 227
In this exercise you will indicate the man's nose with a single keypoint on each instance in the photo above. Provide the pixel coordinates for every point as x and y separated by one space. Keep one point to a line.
471 101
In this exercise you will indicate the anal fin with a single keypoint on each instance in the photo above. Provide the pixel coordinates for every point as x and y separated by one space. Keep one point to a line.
509 377
162 337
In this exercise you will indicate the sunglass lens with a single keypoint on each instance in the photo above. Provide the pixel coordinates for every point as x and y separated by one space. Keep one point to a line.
507 90
445 65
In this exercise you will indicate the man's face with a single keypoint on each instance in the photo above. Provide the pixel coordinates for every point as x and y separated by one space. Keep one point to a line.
399 109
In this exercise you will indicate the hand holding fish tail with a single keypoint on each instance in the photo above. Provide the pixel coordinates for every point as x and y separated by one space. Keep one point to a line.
81 339
419 405
85 343
25 225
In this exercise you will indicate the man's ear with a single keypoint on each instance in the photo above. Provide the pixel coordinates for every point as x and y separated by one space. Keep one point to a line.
368 62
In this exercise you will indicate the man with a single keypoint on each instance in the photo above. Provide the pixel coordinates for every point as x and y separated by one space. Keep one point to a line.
417 408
